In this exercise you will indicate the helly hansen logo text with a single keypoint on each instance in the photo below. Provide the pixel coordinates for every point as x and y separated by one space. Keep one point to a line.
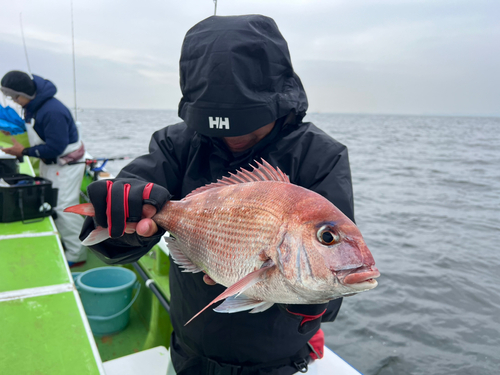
218 122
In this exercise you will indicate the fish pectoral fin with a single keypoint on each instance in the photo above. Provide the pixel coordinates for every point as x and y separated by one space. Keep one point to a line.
241 303
99 234
241 285
178 256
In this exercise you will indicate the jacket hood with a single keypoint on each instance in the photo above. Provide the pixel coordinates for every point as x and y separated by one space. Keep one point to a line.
45 90
236 76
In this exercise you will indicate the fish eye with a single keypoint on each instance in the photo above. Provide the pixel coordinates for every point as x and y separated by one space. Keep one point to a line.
327 236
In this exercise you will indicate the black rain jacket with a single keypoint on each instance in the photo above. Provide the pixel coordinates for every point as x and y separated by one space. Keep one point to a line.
181 160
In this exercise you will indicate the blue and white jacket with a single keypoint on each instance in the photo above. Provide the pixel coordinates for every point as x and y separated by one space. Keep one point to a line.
54 123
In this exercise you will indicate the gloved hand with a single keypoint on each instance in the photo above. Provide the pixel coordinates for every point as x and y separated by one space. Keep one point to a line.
118 202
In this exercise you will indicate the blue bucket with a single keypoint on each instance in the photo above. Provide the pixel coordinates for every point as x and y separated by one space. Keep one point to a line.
106 295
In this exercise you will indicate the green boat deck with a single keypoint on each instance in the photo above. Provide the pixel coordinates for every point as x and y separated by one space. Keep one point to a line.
149 324
44 329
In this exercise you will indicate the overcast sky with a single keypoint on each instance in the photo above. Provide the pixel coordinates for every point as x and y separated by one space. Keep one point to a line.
365 56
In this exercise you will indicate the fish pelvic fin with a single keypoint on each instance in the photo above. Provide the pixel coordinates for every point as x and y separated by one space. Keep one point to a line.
83 209
97 235
263 172
241 303
240 286
178 256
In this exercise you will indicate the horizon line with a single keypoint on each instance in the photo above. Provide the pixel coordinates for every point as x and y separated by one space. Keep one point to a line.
430 114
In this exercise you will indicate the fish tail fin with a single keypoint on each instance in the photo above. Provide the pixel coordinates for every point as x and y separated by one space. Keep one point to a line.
97 235
86 209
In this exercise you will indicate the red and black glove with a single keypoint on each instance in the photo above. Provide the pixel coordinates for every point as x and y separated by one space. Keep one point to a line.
117 202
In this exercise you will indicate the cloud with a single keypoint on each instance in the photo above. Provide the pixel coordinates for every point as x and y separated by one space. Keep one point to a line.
389 56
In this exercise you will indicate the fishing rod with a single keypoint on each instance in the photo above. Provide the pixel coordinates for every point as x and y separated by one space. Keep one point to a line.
96 160
150 283
24 43
94 166
74 66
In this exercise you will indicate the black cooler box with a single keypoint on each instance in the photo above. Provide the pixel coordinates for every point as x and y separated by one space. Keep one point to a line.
26 198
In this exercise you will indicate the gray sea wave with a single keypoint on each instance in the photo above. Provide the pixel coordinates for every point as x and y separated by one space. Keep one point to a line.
427 198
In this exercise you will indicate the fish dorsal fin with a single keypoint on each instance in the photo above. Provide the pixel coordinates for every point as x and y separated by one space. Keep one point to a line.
263 172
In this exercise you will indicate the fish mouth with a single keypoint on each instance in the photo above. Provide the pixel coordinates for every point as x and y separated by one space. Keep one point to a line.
363 275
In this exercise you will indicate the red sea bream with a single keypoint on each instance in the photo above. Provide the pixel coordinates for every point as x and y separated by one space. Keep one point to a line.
267 240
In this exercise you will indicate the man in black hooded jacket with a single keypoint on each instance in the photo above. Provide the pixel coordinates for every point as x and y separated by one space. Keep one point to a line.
241 102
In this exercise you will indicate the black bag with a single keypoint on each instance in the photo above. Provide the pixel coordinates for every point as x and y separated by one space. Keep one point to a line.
26 198
8 167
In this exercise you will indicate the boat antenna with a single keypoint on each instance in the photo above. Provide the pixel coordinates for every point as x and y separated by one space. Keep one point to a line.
74 68
215 7
24 43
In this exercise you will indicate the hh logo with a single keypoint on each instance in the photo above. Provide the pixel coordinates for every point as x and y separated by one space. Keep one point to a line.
218 122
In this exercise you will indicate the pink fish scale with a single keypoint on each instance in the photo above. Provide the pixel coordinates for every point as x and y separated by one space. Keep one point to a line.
225 229
223 238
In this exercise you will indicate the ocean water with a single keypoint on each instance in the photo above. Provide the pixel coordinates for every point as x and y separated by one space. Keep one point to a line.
427 200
